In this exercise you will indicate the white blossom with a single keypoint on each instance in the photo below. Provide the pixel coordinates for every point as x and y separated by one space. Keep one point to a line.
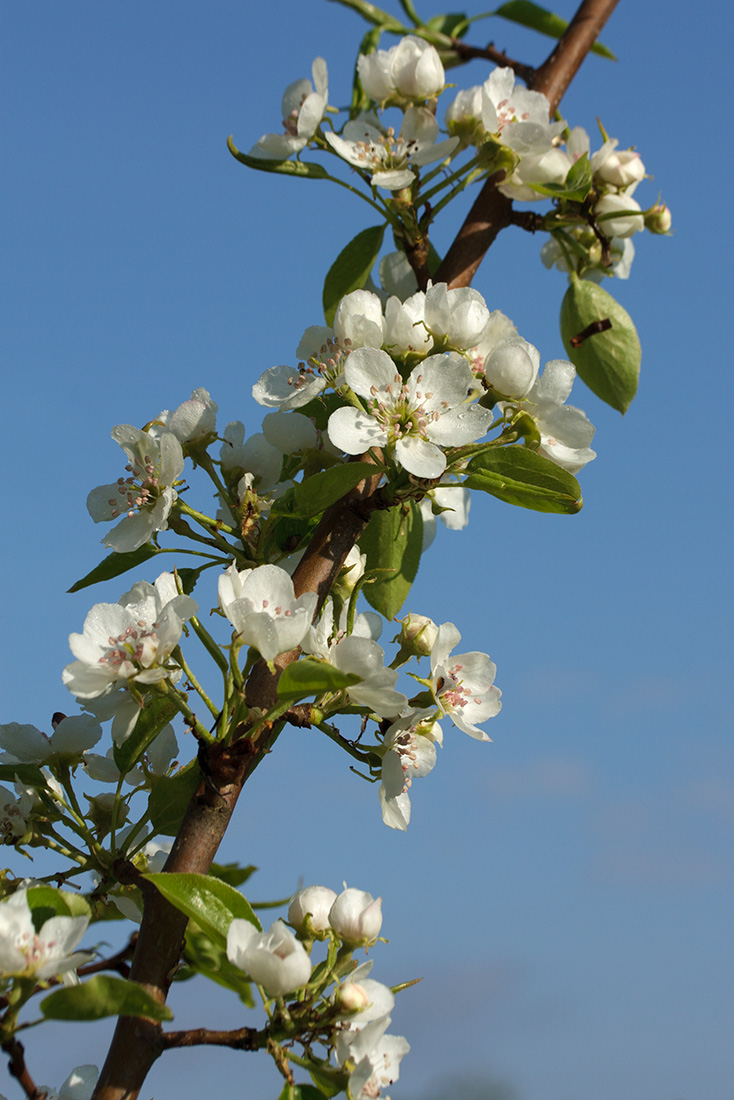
518 116
415 418
628 217
458 316
565 431
410 70
376 689
356 917
512 368
48 953
463 685
391 158
262 607
411 754
314 902
14 814
358 321
131 640
274 959
24 744
303 107
195 421
146 496
405 329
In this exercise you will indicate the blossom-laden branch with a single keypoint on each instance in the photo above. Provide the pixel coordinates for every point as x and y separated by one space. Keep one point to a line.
139 1041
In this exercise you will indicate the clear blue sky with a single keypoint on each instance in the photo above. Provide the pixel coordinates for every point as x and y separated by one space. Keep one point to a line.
565 892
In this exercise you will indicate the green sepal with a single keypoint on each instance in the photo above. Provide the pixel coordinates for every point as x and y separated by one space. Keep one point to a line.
608 362
540 19
576 186
157 713
100 996
201 956
522 477
312 496
351 269
305 169
210 902
115 564
392 541
170 796
308 676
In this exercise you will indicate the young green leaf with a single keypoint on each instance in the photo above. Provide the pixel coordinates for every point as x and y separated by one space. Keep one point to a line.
208 901
102 996
157 713
201 956
607 361
522 477
306 169
351 269
540 19
115 564
316 493
392 541
307 677
170 796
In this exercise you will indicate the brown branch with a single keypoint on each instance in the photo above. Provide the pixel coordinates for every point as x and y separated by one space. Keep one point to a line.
243 1038
489 53
556 73
491 211
18 1069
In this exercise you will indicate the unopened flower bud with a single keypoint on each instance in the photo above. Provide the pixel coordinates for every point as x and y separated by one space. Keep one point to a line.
352 997
418 635
621 168
314 902
630 218
512 368
356 917
658 218
101 809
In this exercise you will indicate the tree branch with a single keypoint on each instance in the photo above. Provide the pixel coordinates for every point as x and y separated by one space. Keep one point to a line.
556 73
489 53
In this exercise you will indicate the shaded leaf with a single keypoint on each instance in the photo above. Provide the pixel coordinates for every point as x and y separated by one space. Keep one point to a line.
115 564
392 541
308 676
316 493
232 872
169 798
540 19
209 901
522 477
351 269
305 169
201 956
100 996
608 361
157 713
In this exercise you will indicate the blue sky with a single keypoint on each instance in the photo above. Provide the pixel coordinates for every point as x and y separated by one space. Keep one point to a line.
565 892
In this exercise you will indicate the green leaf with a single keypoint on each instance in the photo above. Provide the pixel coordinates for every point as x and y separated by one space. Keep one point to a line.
522 477
316 493
351 269
609 361
169 798
157 713
209 901
392 541
304 1092
28 774
329 1079
311 677
455 24
201 956
232 872
375 15
540 19
306 169
115 564
102 996
576 186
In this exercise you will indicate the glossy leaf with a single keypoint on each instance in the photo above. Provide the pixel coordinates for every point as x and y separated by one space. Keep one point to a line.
351 269
169 798
522 477
209 901
576 186
392 541
315 494
309 677
609 361
157 713
115 564
100 996
306 169
540 19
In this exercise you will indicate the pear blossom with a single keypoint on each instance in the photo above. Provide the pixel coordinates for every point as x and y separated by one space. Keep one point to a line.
390 158
376 689
131 640
512 368
622 169
25 953
356 917
518 116
410 754
405 329
358 321
193 422
622 253
325 634
464 116
14 814
658 218
414 418
552 166
411 70
146 496
262 607
619 214
373 1057
274 959
313 902
459 316
24 744
565 431
463 685
79 1085
303 107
